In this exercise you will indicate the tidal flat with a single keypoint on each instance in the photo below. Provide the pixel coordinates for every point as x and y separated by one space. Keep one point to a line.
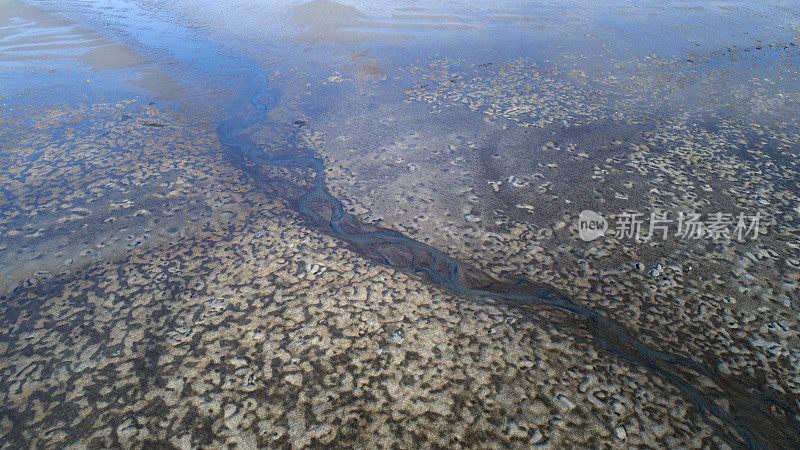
359 224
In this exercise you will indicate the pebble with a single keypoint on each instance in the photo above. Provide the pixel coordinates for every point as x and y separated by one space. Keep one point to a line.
295 379
621 433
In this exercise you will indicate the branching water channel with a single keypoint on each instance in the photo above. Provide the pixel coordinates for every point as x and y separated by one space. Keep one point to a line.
742 413
750 419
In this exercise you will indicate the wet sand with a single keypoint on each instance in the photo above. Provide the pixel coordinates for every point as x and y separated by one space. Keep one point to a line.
163 285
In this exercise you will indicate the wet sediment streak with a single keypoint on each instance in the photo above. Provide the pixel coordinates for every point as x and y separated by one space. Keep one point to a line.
737 411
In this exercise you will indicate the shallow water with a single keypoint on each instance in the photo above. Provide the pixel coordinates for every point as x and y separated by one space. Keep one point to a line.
357 224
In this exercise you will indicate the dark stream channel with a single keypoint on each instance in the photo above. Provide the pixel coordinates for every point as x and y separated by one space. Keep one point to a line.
753 419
